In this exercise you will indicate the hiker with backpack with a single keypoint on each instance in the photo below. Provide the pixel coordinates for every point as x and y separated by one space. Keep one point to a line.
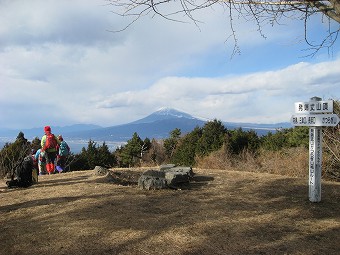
40 157
63 152
49 143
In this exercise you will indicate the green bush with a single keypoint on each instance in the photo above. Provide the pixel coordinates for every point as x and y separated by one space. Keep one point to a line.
212 138
132 153
92 156
186 149
240 140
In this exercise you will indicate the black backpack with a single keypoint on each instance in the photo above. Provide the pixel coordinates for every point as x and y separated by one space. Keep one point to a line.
23 174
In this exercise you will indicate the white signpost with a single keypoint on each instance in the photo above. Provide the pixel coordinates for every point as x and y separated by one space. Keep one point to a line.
315 114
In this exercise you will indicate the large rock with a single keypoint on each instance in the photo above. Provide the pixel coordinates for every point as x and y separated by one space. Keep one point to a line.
183 170
178 175
169 176
152 179
101 171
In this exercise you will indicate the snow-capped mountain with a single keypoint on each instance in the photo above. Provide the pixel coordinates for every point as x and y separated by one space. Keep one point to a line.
163 114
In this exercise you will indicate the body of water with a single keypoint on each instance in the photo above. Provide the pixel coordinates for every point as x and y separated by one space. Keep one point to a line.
76 146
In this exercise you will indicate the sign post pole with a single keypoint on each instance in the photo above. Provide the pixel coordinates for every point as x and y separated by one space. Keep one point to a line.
315 163
315 160
315 114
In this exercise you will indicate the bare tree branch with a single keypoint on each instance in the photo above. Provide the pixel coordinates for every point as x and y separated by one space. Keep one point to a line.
261 12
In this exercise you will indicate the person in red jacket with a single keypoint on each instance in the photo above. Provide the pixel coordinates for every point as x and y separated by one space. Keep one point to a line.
49 143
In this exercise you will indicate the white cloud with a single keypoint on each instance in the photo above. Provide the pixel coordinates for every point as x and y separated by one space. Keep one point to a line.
258 97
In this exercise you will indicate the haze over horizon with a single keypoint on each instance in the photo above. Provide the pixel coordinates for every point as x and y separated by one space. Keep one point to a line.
60 66
166 111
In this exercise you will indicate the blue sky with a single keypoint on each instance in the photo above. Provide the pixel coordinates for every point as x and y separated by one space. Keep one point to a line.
60 66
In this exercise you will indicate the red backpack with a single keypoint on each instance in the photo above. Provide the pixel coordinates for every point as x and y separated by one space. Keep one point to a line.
50 142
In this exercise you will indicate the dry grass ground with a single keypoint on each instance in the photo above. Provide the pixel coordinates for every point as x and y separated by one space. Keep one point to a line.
221 212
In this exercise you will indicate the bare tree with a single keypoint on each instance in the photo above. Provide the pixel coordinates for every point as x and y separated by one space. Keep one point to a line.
331 142
11 157
263 12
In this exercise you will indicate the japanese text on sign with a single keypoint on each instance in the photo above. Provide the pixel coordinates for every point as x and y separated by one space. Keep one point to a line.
316 120
314 107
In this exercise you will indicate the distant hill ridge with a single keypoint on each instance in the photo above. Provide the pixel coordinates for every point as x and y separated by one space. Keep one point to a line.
157 125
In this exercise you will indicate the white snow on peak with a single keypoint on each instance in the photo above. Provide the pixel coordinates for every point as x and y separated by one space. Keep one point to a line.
167 111
172 112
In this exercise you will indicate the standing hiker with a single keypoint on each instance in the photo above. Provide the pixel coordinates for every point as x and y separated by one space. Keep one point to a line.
49 144
40 157
63 152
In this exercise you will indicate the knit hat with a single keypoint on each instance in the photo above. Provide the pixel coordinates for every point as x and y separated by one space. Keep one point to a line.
47 129
60 138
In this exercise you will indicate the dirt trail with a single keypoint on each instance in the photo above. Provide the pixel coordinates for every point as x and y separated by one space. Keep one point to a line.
221 212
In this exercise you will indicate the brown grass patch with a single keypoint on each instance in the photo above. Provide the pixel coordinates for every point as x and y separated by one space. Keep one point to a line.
289 162
221 212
